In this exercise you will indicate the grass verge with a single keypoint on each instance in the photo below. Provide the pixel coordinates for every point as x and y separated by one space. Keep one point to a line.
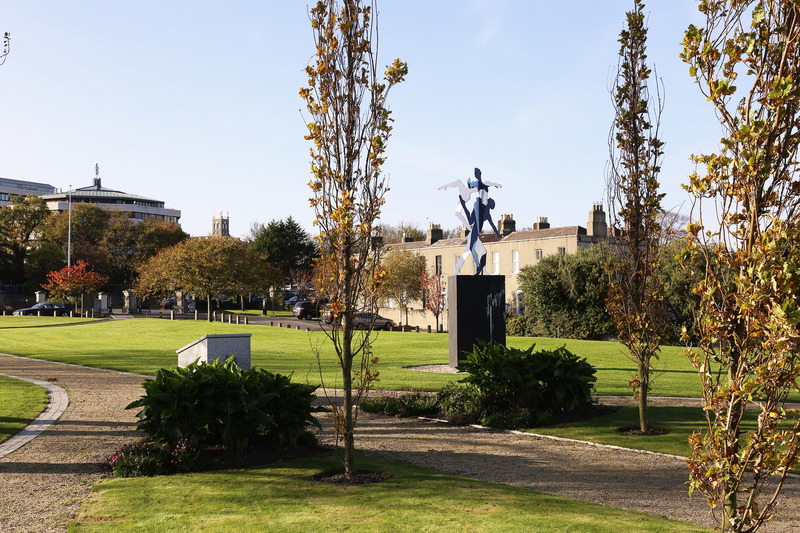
285 498
20 403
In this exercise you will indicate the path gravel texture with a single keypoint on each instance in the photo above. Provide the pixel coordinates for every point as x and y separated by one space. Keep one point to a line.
43 483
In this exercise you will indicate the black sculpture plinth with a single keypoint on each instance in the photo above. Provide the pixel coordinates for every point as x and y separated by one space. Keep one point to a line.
476 311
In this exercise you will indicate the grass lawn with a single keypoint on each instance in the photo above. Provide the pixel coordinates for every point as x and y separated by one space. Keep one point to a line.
41 321
145 345
20 403
677 422
285 497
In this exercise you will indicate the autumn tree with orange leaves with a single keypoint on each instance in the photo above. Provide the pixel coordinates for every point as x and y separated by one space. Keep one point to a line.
73 281
349 126
746 60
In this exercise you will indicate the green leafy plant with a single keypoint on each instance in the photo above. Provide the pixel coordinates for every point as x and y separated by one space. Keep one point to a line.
219 403
509 379
399 404
459 403
145 458
519 325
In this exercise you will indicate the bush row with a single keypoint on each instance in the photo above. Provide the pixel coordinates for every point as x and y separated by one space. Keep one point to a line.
505 388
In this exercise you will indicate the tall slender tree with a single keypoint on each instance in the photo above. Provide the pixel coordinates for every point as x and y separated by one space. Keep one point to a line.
749 323
636 296
349 127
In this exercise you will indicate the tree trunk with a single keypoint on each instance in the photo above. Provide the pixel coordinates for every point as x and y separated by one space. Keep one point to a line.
644 424
208 302
348 439
729 499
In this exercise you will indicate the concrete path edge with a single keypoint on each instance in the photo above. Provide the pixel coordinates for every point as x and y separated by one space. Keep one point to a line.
55 408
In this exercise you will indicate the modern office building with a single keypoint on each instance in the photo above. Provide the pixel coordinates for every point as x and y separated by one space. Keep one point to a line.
9 188
136 207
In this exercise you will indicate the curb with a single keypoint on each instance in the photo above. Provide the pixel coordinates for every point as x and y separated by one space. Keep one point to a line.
55 408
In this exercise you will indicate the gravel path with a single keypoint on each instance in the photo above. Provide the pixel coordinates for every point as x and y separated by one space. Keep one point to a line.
43 483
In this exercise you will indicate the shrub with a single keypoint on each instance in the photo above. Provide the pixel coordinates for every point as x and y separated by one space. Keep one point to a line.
397 404
151 459
519 325
527 383
508 419
219 403
460 403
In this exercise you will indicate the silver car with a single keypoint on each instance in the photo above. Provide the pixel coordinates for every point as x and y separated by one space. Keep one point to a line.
363 321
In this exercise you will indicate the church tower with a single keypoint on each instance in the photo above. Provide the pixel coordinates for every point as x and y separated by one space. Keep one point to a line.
220 227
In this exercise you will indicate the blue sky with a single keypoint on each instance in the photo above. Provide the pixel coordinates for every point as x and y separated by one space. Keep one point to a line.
196 103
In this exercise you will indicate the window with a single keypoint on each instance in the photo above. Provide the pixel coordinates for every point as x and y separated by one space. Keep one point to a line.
456 259
515 261
562 250
496 262
538 254
4 197
437 268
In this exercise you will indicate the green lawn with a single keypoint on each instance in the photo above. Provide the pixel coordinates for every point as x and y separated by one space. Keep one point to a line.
285 498
676 422
145 345
20 403
41 321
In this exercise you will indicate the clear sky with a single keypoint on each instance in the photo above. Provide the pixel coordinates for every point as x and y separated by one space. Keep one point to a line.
196 103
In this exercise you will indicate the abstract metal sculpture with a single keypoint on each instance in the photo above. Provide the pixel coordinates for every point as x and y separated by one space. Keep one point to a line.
473 219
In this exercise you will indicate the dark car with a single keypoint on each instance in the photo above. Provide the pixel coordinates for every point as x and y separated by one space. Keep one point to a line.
305 309
363 321
45 309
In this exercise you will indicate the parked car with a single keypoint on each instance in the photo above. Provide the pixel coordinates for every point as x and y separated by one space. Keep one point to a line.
46 308
363 321
306 309
295 300
326 315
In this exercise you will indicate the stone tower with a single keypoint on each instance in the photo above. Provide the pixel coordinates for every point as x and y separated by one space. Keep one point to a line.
220 226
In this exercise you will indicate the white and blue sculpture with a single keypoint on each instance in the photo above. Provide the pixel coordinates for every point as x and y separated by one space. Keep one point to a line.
473 219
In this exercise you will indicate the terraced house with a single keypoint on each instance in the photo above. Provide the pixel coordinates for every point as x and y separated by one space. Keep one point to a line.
505 255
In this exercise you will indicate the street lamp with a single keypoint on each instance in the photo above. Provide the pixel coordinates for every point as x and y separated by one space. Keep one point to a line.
69 227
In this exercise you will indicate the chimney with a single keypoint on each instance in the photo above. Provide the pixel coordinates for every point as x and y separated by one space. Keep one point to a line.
597 226
464 231
435 233
507 224
407 237
541 223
